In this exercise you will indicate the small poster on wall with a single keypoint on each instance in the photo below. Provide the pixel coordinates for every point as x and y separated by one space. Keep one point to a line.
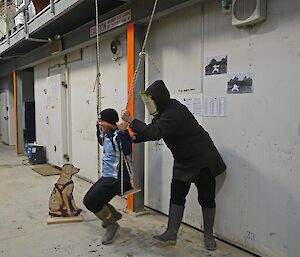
240 83
215 65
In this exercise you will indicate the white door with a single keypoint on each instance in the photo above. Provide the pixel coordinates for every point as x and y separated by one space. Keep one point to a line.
4 118
57 133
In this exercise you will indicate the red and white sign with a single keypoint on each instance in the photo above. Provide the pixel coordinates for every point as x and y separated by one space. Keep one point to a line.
111 23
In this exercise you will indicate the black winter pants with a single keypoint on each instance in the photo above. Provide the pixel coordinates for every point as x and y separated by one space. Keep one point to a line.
101 193
206 186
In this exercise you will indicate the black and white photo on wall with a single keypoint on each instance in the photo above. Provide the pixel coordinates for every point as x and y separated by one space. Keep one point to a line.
240 83
215 65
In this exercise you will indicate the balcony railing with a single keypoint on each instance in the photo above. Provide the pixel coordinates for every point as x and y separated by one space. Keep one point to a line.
15 14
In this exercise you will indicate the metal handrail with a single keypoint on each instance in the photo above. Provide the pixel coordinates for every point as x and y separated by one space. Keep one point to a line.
23 10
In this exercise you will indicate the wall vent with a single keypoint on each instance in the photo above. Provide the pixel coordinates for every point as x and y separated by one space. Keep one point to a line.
116 49
248 12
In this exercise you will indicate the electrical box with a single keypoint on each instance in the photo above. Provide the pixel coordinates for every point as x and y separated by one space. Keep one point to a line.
36 154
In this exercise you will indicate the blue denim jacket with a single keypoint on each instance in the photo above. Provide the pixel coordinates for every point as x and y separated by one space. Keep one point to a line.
112 144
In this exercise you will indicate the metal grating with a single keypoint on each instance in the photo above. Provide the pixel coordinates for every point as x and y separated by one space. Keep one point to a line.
243 9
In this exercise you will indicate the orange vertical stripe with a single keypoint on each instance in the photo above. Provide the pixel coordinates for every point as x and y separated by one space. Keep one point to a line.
130 74
15 111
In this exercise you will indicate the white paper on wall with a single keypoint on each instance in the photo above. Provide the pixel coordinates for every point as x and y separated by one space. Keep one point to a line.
214 106
194 102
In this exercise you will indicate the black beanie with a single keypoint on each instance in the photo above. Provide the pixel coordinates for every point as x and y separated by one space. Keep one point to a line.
109 115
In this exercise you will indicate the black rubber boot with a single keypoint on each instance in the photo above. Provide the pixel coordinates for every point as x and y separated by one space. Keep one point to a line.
117 215
175 217
208 223
111 225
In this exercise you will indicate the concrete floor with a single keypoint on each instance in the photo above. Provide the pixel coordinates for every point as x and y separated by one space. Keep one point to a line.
24 197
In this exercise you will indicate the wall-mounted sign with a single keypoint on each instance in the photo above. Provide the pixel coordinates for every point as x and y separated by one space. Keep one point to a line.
111 23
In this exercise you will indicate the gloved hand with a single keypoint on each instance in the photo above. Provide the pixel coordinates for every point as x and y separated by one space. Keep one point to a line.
122 125
126 116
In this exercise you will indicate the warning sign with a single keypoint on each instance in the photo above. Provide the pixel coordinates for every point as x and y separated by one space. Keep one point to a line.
111 23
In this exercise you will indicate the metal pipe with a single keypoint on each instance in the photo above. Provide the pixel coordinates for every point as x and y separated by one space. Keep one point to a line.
38 40
15 111
6 21
26 30
52 6
23 8
9 58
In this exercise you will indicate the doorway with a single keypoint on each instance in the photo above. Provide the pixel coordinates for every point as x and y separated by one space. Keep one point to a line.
4 117
28 106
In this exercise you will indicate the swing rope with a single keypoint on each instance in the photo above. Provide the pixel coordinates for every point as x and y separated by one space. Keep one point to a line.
142 55
98 81
134 189
97 85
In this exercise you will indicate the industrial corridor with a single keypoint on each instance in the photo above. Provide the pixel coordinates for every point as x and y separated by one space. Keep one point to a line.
24 196
166 120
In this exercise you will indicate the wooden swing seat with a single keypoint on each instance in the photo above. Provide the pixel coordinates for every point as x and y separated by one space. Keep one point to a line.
131 192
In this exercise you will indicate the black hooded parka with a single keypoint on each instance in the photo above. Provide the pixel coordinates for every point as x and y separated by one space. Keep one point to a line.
190 144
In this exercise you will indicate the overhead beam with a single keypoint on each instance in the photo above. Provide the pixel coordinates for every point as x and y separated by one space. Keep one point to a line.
79 37
7 68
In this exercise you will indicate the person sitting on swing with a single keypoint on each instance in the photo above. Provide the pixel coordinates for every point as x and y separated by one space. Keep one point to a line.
114 139
196 159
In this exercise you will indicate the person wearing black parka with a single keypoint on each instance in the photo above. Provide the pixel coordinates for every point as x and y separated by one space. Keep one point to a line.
196 159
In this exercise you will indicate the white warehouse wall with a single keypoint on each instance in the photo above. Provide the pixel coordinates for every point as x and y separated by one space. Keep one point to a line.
81 108
40 96
82 100
83 114
258 203
175 45
260 135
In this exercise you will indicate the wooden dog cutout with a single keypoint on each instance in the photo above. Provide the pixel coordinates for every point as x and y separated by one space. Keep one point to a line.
61 202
